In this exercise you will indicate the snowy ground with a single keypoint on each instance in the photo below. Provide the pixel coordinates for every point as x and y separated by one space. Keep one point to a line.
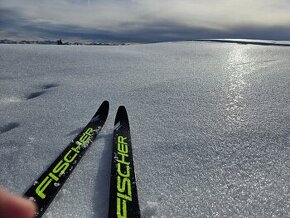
210 125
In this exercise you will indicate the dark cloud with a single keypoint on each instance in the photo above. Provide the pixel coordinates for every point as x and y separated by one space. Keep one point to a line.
14 24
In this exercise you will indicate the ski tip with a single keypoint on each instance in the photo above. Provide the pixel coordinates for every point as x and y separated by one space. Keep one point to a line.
122 115
103 109
122 109
105 103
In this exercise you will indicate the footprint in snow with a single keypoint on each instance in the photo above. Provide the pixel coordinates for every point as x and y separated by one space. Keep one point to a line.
8 127
35 95
49 85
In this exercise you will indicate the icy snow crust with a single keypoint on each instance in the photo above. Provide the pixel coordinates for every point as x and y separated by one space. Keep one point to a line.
210 125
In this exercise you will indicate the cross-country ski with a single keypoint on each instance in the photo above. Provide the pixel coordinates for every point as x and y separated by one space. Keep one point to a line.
123 190
45 188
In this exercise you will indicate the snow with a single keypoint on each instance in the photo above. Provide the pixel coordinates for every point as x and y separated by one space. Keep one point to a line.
209 125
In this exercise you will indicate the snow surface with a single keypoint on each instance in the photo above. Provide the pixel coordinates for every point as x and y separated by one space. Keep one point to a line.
210 125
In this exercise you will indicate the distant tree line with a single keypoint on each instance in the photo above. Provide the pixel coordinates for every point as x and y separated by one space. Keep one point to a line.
59 42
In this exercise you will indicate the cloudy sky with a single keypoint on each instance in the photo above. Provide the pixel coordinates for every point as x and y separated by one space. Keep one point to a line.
144 20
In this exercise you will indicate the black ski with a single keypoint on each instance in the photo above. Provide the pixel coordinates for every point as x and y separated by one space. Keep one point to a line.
45 188
123 189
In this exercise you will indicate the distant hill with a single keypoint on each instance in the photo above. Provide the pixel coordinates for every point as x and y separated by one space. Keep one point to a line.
249 42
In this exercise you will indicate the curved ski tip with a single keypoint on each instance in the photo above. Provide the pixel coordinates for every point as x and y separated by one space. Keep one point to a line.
121 115
104 108
105 104
122 110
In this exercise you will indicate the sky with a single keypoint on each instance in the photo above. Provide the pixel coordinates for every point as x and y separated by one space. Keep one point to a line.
144 20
